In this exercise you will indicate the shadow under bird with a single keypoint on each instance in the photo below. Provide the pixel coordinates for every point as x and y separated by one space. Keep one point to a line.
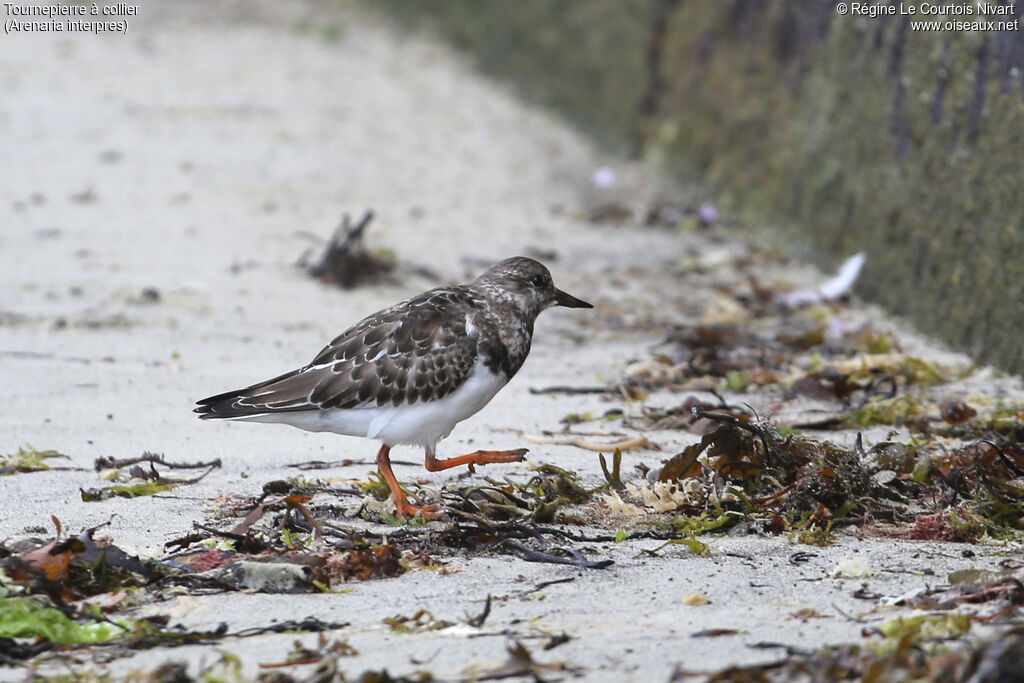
409 373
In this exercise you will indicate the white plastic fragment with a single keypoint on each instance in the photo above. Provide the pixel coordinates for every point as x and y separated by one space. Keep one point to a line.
833 288
843 282
856 567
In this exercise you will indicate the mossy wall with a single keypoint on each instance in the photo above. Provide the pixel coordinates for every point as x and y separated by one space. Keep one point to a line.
851 132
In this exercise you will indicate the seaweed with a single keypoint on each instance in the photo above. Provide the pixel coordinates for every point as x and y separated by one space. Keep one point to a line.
28 459
137 481
346 262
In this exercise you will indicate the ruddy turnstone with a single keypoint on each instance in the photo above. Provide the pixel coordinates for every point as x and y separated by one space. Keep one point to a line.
409 373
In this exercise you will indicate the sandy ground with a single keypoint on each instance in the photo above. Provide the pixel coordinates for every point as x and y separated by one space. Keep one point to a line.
187 157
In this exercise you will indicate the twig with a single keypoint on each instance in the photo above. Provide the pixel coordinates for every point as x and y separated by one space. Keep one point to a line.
791 651
582 442
1002 456
849 617
217 532
576 559
482 521
107 463
563 389
544 584
309 624
193 480
479 619
346 462
874 389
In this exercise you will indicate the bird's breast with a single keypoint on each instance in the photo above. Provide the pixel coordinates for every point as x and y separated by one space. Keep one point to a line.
504 348
426 423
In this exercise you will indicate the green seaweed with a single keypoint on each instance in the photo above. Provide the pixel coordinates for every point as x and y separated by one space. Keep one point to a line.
820 536
27 459
737 380
694 545
144 488
376 485
26 617
1006 417
922 373
917 630
884 411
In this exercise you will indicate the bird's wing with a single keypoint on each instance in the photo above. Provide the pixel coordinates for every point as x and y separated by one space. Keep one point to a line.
418 350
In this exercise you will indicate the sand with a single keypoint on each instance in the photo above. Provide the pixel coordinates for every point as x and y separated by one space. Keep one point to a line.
156 190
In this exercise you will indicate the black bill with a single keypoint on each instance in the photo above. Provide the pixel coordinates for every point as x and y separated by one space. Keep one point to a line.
569 301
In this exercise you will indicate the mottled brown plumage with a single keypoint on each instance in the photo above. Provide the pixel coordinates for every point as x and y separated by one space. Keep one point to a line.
451 346
411 352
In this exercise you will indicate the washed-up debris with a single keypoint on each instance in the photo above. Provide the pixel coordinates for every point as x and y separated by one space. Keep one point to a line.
346 262
136 481
27 617
147 296
292 503
695 600
265 577
326 653
528 542
811 487
834 288
28 459
614 478
951 469
419 622
1006 591
956 412
920 648
853 568
567 556
563 389
109 463
74 567
56 592
79 591
520 664
715 632
228 667
590 445
539 498
290 555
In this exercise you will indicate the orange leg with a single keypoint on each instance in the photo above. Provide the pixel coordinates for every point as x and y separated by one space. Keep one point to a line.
475 458
405 508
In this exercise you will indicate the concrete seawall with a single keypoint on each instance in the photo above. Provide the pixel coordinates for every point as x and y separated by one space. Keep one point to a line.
848 132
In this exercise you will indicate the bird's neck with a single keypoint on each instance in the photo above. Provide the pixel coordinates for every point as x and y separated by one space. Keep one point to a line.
507 345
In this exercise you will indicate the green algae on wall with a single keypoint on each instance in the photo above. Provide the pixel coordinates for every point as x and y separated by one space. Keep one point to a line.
851 132
864 134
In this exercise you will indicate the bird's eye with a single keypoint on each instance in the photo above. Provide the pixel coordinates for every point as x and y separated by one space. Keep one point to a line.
538 281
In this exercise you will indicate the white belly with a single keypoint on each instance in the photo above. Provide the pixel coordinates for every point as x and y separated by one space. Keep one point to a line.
420 424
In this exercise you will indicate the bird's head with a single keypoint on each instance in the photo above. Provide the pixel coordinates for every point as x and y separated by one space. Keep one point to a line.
526 285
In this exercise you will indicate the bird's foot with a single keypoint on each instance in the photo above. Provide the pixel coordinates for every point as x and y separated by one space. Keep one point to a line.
476 458
405 510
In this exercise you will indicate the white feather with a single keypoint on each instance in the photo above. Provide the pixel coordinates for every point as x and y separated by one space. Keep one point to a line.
419 424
